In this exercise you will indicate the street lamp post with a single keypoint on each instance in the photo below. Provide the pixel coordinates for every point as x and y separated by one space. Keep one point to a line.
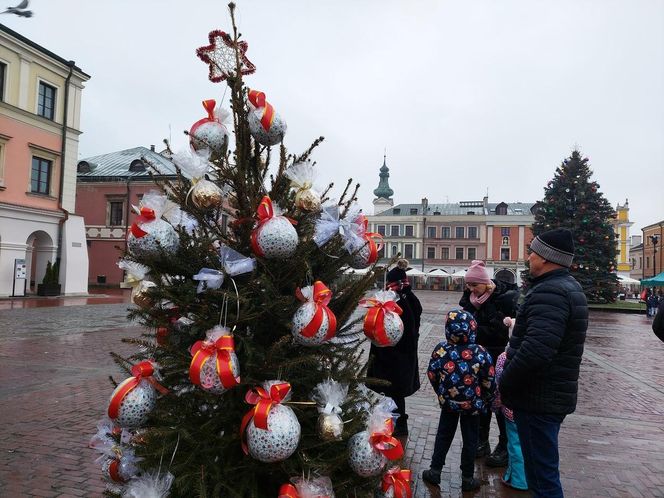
654 239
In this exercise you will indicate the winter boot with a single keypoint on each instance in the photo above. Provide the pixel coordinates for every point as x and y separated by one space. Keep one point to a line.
470 484
483 449
498 458
431 476
401 427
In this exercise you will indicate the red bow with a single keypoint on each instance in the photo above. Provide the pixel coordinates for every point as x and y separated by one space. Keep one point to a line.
257 98
374 321
140 371
385 443
373 245
202 351
262 401
264 213
288 491
321 298
146 214
399 481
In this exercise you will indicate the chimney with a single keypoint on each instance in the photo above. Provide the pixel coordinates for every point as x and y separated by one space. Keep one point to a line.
152 148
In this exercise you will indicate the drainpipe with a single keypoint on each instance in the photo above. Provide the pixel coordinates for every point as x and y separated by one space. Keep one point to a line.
63 149
127 211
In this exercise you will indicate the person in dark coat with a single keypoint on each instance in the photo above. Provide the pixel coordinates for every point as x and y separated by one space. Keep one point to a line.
490 302
540 379
658 322
398 364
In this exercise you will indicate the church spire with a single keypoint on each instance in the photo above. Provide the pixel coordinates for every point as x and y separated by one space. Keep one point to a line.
384 189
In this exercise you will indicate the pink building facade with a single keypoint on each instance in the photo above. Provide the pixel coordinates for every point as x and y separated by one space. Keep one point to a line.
40 103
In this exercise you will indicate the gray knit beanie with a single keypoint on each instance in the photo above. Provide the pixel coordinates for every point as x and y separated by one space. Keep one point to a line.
555 245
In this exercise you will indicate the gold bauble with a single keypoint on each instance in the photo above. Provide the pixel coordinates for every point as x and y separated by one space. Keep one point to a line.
329 426
206 195
140 296
307 200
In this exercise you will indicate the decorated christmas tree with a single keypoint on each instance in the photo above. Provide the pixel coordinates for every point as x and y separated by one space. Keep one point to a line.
249 378
573 200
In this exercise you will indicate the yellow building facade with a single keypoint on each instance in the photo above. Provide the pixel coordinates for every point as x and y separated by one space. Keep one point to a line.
621 226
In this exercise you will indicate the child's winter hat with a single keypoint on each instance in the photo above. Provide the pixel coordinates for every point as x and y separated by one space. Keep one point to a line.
460 327
555 245
477 273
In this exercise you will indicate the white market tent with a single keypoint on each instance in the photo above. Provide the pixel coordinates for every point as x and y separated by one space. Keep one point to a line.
459 274
414 272
627 280
355 271
438 273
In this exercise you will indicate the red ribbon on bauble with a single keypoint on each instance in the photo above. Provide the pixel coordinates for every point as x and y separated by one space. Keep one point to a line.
257 98
385 443
146 214
141 371
288 491
321 298
264 213
262 401
202 351
399 480
374 321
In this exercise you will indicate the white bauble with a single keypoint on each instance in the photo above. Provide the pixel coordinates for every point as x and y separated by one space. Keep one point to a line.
281 438
210 381
393 330
274 135
363 457
302 318
277 238
160 234
136 405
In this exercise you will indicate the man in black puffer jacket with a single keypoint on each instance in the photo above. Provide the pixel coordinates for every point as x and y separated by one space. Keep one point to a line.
540 379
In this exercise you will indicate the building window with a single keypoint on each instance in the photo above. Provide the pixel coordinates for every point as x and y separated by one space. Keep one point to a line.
445 232
472 253
409 230
381 252
505 231
431 232
40 178
472 232
3 71
459 253
413 210
394 230
504 253
381 229
46 103
460 232
394 251
506 241
647 262
445 253
431 253
396 211
408 251
116 213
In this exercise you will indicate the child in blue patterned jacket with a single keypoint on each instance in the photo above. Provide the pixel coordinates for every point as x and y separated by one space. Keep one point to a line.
462 375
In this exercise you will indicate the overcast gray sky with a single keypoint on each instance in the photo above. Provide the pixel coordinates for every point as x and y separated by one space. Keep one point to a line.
466 96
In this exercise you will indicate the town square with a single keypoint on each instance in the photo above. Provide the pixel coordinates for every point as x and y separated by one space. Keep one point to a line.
316 250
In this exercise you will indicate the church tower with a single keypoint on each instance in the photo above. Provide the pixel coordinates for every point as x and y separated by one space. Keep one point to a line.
383 192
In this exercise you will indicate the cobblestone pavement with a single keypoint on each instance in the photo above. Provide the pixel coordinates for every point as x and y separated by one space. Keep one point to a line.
54 368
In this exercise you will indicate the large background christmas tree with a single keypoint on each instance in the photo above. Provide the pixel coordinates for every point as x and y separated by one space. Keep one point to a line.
572 200
195 434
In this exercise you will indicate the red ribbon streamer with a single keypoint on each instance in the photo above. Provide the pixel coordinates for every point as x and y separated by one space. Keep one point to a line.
264 213
202 351
262 401
385 443
146 214
321 298
288 491
257 98
373 245
209 106
399 481
374 321
140 371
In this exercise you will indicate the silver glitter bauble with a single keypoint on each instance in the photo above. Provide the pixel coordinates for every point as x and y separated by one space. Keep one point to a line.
210 378
302 318
206 194
209 135
121 474
159 234
393 330
280 440
266 137
277 238
329 426
136 405
360 259
363 458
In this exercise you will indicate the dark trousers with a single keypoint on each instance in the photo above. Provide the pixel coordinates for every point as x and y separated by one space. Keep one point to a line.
446 429
401 410
538 434
485 425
